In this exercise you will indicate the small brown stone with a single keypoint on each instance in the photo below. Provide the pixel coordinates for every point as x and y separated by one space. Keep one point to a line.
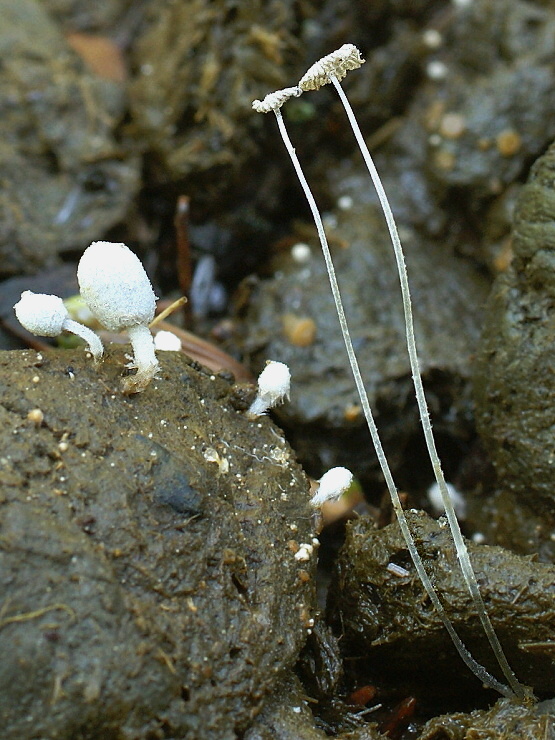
444 160
299 330
508 142
36 416
352 412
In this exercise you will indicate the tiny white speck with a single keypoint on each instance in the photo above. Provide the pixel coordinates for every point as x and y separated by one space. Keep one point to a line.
436 70
432 38
397 570
301 252
345 203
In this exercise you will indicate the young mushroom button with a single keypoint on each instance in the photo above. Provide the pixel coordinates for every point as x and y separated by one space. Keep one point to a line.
332 485
46 316
117 290
274 383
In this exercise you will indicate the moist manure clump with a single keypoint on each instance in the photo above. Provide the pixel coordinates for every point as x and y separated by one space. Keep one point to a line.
148 577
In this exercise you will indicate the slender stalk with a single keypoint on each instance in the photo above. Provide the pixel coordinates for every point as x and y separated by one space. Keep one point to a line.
144 357
462 552
464 653
90 337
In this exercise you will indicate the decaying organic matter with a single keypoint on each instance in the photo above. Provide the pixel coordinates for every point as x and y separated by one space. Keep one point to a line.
385 618
147 552
514 373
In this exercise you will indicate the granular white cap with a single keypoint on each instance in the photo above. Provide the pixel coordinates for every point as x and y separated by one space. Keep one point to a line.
274 383
332 484
115 286
46 316
41 314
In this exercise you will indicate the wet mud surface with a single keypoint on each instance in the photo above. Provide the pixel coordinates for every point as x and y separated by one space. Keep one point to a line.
385 618
291 316
514 374
147 553
149 586
65 175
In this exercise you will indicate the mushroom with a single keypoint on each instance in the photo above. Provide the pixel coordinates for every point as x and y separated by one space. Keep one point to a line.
332 485
274 383
46 316
116 288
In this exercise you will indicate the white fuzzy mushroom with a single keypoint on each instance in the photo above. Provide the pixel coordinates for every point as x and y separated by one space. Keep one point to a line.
274 383
332 485
116 288
46 316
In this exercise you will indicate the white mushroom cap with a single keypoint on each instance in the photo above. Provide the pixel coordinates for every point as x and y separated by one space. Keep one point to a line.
41 314
274 383
332 484
47 316
115 286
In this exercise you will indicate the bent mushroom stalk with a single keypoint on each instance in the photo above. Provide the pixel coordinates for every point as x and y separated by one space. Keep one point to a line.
47 316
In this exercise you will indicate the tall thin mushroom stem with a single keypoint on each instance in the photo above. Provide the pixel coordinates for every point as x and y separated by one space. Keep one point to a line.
518 689
464 653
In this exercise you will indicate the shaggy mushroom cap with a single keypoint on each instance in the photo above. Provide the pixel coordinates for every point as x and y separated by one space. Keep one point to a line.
47 316
115 286
274 383
41 314
332 485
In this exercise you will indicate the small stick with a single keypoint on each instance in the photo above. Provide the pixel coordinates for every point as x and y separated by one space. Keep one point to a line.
169 310
183 247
